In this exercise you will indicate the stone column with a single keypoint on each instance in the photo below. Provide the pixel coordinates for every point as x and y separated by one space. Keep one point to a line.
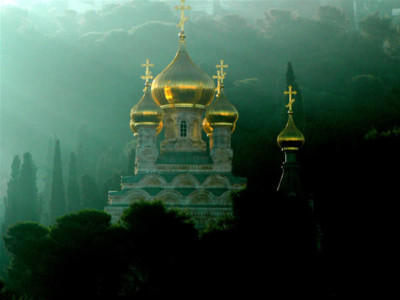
146 149
221 151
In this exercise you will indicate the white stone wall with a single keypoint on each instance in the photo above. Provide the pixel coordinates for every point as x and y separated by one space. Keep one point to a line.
174 140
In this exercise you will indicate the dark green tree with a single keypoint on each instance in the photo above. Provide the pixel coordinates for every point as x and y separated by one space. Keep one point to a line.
28 192
90 194
277 20
78 255
48 171
30 249
383 32
73 195
83 260
11 202
378 28
278 237
82 149
152 227
57 196
333 17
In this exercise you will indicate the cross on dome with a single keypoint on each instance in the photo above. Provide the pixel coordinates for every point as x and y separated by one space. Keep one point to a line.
220 77
291 100
182 8
222 66
148 73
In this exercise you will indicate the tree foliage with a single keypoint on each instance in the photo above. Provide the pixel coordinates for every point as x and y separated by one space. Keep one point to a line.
73 194
57 196
30 247
90 193
83 253
12 200
23 191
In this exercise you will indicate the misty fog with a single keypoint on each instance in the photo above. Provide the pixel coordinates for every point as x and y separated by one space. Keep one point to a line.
70 70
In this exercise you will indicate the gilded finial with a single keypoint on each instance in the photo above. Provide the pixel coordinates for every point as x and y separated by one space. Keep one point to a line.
291 100
220 77
148 73
290 139
222 66
182 8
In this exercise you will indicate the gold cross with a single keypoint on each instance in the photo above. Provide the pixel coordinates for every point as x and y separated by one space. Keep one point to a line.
182 8
220 78
222 66
291 100
147 75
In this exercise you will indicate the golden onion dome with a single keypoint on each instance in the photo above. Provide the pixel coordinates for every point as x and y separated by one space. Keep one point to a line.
146 112
182 83
222 112
290 138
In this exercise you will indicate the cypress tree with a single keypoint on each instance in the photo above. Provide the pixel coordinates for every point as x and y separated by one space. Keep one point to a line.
73 196
11 201
90 195
57 195
48 169
28 192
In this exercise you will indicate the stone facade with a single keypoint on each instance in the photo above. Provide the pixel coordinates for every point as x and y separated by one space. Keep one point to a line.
182 174
206 196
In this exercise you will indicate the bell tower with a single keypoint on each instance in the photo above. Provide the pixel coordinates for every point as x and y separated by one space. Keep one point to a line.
219 123
146 123
290 140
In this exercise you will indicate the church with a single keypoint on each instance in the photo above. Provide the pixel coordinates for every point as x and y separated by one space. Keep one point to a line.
183 171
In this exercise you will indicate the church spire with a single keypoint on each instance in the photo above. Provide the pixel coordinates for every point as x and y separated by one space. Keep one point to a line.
290 140
183 84
183 20
146 112
147 74
221 112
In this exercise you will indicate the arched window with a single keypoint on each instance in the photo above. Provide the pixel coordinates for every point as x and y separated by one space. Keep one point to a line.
183 129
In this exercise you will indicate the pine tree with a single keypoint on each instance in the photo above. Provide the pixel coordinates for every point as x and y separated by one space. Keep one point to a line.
57 195
298 104
28 192
48 174
11 201
73 196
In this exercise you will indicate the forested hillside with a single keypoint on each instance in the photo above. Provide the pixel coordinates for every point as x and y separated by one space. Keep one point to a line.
74 77
69 81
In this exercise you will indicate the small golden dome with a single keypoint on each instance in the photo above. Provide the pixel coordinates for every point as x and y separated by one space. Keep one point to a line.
182 83
290 138
222 112
146 112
